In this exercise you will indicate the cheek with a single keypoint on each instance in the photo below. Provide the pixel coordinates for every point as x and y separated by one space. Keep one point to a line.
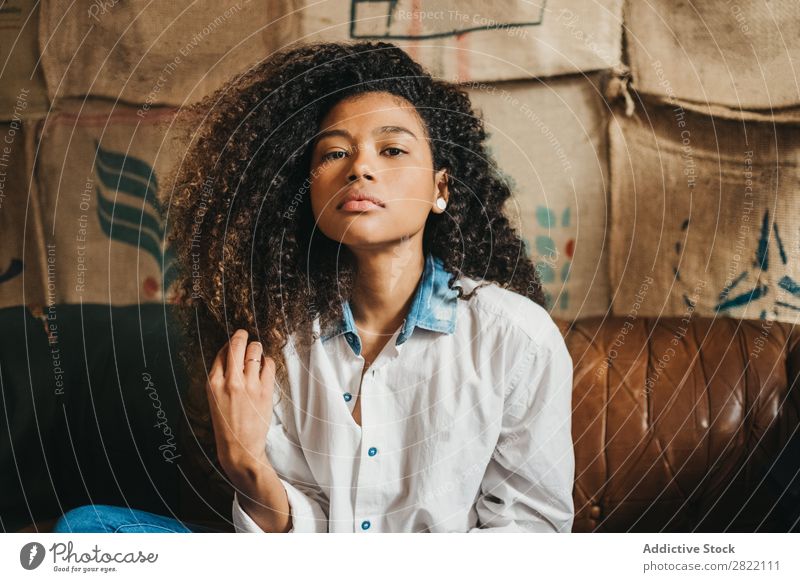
327 219
317 204
410 211
412 194
321 190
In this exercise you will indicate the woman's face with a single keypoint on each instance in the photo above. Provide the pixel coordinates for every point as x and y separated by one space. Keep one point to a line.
372 176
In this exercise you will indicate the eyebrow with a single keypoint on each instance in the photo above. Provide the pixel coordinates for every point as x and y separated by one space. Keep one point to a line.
384 130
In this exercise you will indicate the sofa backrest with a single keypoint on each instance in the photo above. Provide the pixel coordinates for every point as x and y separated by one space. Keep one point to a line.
91 408
685 425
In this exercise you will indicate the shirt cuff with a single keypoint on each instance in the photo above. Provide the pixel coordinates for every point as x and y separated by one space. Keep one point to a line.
301 508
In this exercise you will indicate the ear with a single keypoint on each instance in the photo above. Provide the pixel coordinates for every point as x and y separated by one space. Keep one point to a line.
440 183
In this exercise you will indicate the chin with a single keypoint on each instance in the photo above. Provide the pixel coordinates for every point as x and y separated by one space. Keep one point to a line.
359 232
364 239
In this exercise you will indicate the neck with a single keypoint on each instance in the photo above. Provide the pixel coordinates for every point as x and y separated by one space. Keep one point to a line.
384 286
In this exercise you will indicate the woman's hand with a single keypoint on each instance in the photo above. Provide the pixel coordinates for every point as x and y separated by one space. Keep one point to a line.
239 389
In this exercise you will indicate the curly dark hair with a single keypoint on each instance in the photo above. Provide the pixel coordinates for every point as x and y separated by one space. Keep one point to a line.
240 215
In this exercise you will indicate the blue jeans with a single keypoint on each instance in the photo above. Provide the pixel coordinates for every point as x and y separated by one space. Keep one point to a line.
113 519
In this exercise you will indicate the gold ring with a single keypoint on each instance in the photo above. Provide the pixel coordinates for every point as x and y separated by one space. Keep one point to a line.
253 360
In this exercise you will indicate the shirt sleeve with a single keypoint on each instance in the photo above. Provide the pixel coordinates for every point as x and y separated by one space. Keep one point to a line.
307 502
528 483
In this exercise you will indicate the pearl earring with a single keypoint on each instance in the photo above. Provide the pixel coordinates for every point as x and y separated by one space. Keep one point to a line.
441 203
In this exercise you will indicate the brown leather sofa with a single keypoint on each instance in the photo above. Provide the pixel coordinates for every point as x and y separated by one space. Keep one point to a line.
685 427
678 427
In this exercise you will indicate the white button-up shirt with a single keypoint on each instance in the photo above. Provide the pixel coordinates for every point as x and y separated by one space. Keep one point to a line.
465 421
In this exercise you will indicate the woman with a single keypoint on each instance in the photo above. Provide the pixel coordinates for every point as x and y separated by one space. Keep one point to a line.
340 225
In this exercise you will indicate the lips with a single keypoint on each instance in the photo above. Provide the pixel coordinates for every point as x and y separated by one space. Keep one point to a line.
358 200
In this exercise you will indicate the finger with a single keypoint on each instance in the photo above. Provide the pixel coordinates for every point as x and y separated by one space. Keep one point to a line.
217 371
213 392
238 344
252 362
267 371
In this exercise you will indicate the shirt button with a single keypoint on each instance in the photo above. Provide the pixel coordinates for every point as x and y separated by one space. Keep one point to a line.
365 524
348 397
372 451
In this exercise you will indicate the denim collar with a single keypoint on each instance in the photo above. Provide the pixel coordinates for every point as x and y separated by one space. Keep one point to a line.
433 308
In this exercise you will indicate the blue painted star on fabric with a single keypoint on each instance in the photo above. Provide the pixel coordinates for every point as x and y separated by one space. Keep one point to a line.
761 264
433 308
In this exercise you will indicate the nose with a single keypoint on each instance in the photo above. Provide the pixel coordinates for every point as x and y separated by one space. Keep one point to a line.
360 167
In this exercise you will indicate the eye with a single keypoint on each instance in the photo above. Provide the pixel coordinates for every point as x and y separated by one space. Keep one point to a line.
334 155
394 152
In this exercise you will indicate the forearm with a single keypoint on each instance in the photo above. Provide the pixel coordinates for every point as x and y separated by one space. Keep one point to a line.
263 497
